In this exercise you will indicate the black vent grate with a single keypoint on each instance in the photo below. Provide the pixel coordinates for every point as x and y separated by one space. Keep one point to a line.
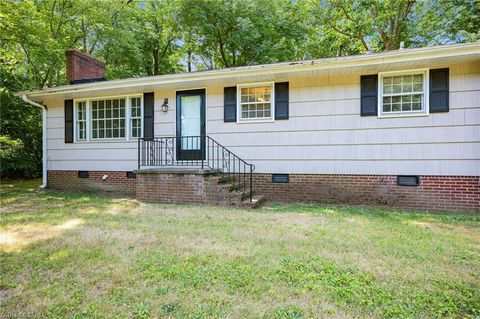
408 180
280 178
131 175
83 174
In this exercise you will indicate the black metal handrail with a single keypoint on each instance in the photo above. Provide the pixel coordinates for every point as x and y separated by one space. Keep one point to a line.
196 151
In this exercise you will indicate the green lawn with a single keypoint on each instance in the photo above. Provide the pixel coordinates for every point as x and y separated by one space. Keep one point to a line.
87 256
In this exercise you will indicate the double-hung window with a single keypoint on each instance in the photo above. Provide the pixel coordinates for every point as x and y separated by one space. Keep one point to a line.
81 123
108 118
135 117
403 93
256 102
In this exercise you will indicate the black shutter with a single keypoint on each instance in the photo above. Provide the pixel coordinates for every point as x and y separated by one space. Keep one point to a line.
439 90
368 95
281 101
148 110
230 104
68 121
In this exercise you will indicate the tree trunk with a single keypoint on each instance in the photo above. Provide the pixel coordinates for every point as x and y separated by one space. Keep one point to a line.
156 64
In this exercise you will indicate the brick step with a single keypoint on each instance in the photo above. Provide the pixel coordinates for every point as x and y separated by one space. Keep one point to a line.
257 200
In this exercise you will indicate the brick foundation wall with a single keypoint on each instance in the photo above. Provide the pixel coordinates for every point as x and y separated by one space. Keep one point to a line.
117 182
451 193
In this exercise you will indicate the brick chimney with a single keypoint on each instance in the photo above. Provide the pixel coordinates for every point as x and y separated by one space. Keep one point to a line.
82 68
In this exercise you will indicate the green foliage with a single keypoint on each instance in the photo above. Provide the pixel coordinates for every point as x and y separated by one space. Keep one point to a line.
141 311
138 38
20 137
142 38
289 312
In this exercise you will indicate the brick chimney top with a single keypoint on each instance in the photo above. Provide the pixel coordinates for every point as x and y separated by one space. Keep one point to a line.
83 68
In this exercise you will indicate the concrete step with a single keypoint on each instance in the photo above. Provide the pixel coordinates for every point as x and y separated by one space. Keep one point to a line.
257 200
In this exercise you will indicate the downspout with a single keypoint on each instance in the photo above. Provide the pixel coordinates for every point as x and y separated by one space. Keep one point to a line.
44 138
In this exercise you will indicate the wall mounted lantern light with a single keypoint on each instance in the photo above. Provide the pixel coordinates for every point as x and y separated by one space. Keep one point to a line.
165 105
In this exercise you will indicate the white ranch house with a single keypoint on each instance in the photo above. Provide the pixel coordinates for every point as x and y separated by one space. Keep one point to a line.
399 128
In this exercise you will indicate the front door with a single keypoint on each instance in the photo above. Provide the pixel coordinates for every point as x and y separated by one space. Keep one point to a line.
191 125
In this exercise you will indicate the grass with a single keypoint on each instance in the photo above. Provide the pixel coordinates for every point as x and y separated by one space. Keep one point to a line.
88 256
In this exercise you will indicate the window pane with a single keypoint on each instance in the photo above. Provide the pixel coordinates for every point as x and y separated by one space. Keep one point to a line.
416 106
407 87
418 78
417 87
406 98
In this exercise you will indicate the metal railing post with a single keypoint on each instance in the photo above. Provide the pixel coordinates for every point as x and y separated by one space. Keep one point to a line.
251 182
138 151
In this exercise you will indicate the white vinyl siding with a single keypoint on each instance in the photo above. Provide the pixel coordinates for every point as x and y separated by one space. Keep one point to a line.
403 93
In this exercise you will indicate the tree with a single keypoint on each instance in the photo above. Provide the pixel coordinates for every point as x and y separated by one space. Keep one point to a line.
244 32
382 25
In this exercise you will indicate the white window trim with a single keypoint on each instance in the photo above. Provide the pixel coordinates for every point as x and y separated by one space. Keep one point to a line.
426 86
88 101
239 104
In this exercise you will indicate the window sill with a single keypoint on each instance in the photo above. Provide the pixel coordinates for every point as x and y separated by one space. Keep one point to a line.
388 116
255 121
113 140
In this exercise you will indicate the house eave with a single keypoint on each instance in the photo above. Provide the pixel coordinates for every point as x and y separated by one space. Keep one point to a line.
336 64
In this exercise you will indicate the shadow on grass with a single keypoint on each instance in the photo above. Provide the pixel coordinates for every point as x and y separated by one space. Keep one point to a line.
29 215
393 214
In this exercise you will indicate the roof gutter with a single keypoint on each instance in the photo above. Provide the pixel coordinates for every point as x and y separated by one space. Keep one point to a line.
44 137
